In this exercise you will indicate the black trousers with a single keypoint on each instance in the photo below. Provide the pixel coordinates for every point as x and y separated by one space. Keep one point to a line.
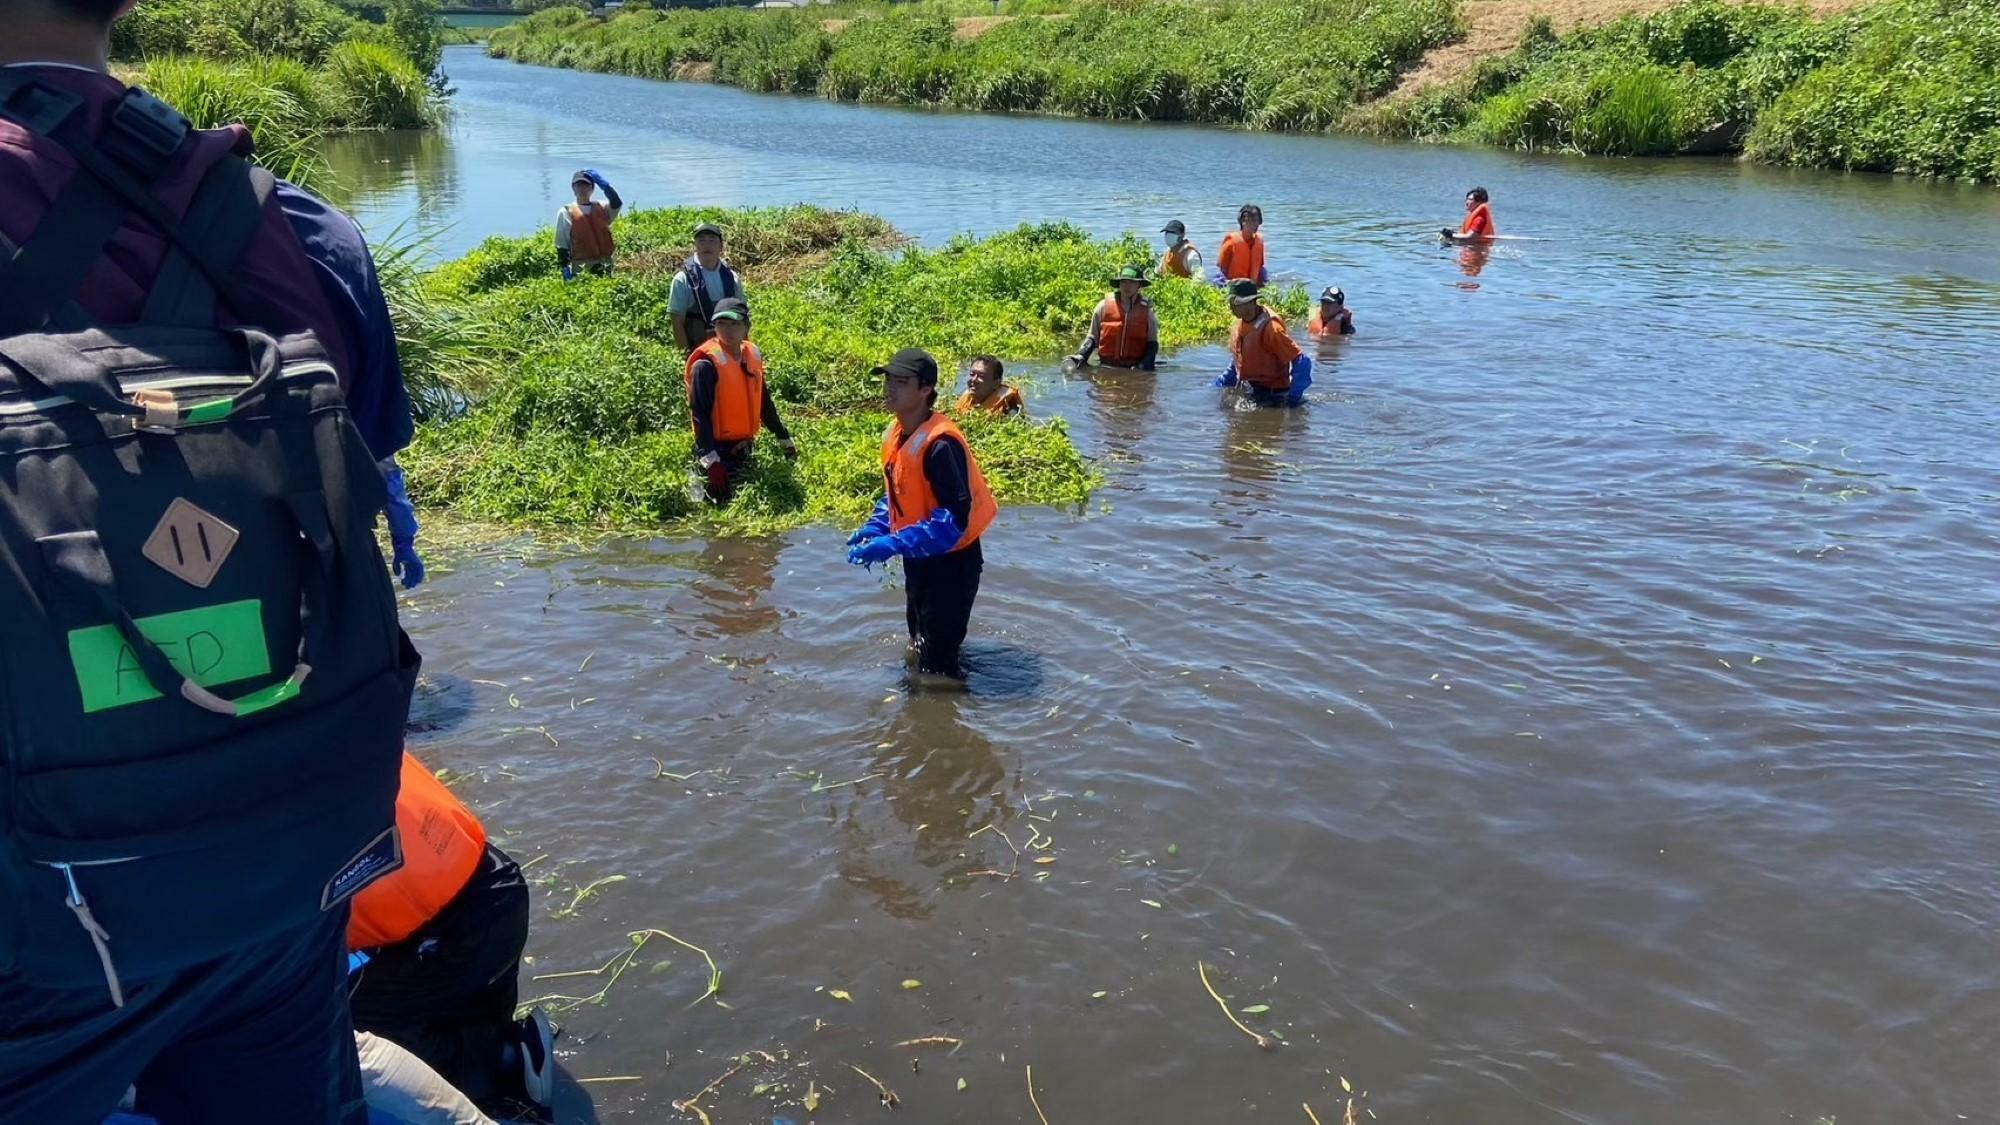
939 592
448 991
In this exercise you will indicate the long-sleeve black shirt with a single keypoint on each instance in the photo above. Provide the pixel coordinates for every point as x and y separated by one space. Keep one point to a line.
702 406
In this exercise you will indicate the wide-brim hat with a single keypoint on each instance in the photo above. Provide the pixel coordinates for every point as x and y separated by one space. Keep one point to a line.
1131 273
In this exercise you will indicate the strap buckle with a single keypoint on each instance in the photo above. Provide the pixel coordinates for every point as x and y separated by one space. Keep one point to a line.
145 132
38 108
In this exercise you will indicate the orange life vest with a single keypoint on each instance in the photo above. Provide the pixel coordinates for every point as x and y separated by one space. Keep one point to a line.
1172 265
1263 352
910 497
590 234
1240 256
1478 223
442 844
1316 324
739 389
1121 339
1006 401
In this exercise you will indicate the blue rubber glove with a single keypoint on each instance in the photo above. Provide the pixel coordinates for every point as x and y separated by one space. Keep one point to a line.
569 273
597 178
355 961
881 548
402 519
878 524
1263 276
931 536
1302 377
1227 378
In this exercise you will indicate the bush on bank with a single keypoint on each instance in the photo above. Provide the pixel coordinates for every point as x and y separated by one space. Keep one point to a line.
1267 64
588 426
1902 86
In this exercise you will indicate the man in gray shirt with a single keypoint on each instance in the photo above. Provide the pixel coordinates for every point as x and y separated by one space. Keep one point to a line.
703 280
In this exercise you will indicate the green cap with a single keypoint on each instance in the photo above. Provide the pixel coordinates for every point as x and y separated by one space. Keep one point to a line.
1241 290
1131 273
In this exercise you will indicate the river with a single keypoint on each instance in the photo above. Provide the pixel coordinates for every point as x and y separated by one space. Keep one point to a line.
1584 710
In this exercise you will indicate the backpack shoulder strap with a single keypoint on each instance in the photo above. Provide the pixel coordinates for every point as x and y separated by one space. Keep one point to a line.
227 212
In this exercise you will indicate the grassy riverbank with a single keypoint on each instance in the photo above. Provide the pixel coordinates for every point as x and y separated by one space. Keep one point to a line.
1904 86
292 70
582 421
1899 85
1267 64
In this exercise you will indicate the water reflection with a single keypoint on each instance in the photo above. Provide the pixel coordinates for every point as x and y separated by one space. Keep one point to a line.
1121 403
413 165
735 579
1472 261
942 781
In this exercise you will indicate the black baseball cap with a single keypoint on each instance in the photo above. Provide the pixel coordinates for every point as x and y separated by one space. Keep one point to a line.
707 228
1333 293
911 363
1175 226
731 308
1242 289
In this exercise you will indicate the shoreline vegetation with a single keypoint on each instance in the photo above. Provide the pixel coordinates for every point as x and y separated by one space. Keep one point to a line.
1906 86
292 70
588 428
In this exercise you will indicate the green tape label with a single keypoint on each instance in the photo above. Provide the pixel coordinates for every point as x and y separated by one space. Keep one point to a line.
217 644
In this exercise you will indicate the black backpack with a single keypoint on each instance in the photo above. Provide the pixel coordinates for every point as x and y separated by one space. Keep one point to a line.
203 685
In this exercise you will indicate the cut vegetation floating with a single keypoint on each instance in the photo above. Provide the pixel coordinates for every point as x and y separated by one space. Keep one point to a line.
580 418
1898 86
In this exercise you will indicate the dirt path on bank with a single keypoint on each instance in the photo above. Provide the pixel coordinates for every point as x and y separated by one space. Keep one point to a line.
963 28
1494 27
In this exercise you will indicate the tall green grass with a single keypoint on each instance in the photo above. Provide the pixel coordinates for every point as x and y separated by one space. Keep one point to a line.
588 425
1915 88
1265 64
1900 86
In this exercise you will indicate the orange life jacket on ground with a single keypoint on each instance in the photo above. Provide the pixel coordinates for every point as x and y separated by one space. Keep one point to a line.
1240 256
1121 339
1263 352
739 389
1007 401
910 497
1316 324
590 234
442 845
1478 223
1171 264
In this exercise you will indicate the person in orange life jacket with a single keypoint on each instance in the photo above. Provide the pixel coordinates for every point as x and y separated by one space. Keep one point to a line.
1331 318
934 510
1242 253
259 1031
985 391
1181 258
1478 224
441 939
583 228
1123 330
704 279
1262 355
728 399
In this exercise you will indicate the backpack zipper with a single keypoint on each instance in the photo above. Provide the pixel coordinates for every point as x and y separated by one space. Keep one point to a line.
99 939
291 370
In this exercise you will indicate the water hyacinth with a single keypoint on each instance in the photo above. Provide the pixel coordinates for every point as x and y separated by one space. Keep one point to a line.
584 423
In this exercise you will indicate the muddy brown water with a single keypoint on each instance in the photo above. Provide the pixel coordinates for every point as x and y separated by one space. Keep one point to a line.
1584 710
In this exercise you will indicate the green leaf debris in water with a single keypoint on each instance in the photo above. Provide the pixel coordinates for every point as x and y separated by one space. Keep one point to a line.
1099 994
913 984
1255 1009
961 1085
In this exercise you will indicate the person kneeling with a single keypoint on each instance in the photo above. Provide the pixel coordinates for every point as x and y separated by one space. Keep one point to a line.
727 398
442 937
1262 355
935 509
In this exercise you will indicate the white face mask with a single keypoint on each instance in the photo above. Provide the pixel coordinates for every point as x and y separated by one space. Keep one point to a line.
1170 240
